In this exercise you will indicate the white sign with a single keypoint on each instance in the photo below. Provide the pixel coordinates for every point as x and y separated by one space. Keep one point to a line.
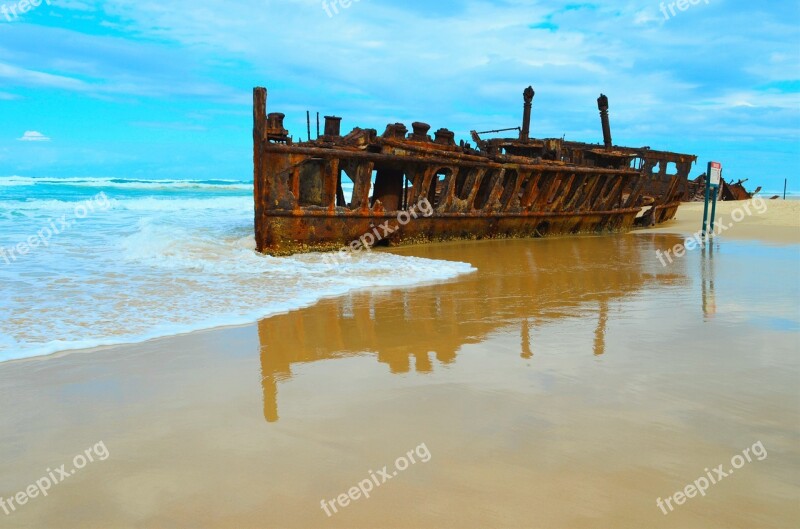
716 173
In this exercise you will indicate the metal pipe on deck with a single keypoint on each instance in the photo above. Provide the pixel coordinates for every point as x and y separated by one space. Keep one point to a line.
528 94
602 106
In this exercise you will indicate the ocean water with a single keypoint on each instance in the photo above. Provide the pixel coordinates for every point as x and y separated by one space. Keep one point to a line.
86 262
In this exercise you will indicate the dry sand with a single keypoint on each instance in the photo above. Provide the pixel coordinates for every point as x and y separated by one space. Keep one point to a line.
779 222
566 384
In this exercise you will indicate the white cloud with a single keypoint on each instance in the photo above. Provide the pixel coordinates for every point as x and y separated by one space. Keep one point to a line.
23 76
677 84
33 135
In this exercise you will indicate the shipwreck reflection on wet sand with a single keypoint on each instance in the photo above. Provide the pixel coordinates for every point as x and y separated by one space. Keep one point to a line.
518 284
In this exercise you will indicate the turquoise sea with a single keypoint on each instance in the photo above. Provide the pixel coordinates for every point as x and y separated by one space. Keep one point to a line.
95 261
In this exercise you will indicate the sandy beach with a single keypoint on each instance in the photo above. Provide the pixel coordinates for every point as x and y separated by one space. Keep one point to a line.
346 264
775 221
567 383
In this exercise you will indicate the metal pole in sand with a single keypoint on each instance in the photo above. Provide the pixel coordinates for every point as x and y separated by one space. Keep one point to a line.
713 183
714 209
705 208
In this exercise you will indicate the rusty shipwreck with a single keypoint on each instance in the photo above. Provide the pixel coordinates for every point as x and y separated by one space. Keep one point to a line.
501 187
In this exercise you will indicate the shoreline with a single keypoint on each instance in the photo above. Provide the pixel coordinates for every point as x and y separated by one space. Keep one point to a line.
779 224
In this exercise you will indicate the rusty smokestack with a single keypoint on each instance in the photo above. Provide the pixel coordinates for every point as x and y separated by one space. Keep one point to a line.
602 106
333 125
528 94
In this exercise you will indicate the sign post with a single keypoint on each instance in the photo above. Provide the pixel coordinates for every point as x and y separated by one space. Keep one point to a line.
713 181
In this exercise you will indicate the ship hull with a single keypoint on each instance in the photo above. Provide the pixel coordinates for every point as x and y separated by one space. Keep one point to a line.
288 233
412 187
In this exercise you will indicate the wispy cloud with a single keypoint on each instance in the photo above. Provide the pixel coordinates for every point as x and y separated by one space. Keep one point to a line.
455 63
33 135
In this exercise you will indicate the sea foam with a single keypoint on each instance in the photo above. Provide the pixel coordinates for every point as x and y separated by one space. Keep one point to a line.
157 264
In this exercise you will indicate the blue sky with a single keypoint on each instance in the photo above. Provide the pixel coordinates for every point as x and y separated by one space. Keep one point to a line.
157 89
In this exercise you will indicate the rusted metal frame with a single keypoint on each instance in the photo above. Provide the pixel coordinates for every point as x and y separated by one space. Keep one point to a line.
496 191
294 168
424 188
551 191
294 182
481 162
448 188
600 195
428 184
684 168
669 196
469 183
514 195
330 173
635 194
276 191
612 193
531 179
416 175
546 181
259 137
388 187
404 198
639 152
532 191
340 202
523 180
454 201
588 196
505 159
263 187
323 213
602 183
491 176
362 185
648 164
575 193
477 176
434 187
348 167
427 149
562 195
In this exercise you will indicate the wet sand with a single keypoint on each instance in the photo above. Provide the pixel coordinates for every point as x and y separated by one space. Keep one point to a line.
568 383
